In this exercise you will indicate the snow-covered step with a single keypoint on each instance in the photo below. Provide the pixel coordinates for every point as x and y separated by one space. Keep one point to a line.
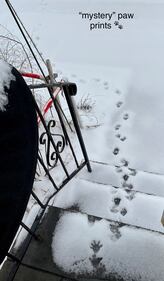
76 245
90 247
108 202
146 182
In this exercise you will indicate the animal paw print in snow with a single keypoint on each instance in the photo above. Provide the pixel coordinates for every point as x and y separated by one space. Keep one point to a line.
105 83
118 92
123 212
123 138
131 195
125 177
119 170
127 185
118 136
133 172
116 151
119 104
126 116
117 127
96 246
124 162
95 261
117 201
114 228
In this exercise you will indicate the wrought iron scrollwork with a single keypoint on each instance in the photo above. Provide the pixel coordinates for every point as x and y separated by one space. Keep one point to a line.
52 155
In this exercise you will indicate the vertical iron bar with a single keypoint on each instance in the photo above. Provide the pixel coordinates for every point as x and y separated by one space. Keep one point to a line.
76 125
37 199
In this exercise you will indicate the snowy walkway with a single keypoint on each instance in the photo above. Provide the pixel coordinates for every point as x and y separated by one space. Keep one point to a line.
125 189
120 100
111 227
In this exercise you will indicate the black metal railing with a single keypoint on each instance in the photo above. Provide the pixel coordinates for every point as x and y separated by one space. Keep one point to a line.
51 150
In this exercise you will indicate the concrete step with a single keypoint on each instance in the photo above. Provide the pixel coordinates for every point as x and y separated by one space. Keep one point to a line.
75 245
108 202
147 182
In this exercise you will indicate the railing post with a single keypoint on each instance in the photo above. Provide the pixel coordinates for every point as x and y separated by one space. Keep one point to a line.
67 92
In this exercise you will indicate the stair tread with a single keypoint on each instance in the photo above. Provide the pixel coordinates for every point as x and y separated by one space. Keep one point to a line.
143 181
98 199
77 246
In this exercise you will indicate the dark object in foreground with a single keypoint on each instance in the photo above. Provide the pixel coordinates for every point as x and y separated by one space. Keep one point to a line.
18 157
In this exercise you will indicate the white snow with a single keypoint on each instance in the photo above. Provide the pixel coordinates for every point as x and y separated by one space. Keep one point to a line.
5 80
120 74
129 252
98 199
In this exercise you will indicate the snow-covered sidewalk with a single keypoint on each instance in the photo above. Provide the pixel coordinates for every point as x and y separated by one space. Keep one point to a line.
130 244
126 240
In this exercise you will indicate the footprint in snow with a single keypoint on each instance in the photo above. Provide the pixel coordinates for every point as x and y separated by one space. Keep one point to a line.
114 209
115 229
127 185
117 201
118 136
116 151
133 172
106 88
123 138
119 103
117 127
125 177
123 212
95 260
131 195
92 219
119 170
126 116
124 162
96 246
118 92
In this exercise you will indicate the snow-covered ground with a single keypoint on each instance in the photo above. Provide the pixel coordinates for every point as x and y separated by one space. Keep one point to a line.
119 74
63 36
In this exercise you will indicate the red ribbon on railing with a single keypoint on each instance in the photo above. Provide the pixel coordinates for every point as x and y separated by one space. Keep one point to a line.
56 91
32 75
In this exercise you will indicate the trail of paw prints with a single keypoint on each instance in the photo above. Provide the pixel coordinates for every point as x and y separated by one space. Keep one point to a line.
125 172
119 103
118 135
95 260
